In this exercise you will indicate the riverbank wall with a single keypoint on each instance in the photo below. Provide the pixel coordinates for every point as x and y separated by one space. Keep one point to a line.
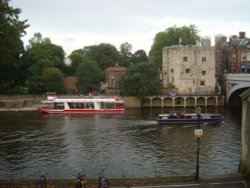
32 102
20 103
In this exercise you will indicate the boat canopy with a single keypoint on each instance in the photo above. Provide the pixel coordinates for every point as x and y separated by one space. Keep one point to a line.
84 100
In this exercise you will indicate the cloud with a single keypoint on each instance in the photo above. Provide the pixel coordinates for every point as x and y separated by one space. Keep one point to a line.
77 23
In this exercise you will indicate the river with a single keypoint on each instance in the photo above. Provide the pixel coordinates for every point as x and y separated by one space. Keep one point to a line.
126 145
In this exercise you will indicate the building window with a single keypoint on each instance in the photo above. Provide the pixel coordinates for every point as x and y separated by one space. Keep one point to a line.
203 73
203 59
243 57
233 57
187 71
202 83
248 57
185 59
172 70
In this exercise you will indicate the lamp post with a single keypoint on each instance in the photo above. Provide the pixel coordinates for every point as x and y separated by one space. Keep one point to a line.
198 134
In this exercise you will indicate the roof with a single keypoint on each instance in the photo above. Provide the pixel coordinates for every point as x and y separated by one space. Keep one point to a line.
243 43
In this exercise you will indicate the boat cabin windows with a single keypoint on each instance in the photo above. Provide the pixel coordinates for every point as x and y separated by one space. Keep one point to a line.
58 106
81 105
107 105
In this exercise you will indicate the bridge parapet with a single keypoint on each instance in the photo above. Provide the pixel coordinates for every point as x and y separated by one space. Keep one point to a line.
238 78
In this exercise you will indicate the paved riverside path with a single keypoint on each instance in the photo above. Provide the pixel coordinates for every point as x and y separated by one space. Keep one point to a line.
225 181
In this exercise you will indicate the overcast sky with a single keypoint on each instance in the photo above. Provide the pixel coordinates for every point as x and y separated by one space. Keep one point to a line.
74 24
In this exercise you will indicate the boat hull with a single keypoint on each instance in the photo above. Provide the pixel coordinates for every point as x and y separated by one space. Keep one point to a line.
190 119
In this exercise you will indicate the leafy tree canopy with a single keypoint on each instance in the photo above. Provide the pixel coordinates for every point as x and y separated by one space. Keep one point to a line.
126 54
139 56
185 35
53 80
89 76
41 55
125 49
11 46
128 58
141 80
105 55
76 57
38 39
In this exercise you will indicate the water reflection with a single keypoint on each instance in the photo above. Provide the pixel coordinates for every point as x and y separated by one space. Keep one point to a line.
126 145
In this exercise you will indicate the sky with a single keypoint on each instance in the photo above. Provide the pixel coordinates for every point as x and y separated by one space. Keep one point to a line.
74 24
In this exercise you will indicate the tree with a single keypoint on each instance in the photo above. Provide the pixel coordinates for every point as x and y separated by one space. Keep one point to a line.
76 57
141 80
89 76
38 39
126 54
125 49
139 56
40 55
105 55
128 58
11 46
53 80
185 35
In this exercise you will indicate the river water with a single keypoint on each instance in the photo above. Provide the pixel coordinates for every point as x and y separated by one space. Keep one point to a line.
127 145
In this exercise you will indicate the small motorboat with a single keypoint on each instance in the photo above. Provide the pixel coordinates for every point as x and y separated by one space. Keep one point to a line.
189 118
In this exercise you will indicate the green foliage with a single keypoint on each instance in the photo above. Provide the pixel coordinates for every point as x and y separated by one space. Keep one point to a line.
125 49
89 76
105 55
53 80
141 80
128 58
38 39
185 35
126 54
139 56
76 57
40 56
11 47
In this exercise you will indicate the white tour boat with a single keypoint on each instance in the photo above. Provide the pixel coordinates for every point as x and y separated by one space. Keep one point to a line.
84 104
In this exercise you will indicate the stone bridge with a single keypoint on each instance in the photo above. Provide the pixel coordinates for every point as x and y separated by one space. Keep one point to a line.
245 132
236 84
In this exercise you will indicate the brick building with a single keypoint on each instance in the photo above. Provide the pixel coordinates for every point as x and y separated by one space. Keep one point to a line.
113 75
232 56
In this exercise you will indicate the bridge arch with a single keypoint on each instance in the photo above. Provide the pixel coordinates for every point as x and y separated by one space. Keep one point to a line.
235 84
237 87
